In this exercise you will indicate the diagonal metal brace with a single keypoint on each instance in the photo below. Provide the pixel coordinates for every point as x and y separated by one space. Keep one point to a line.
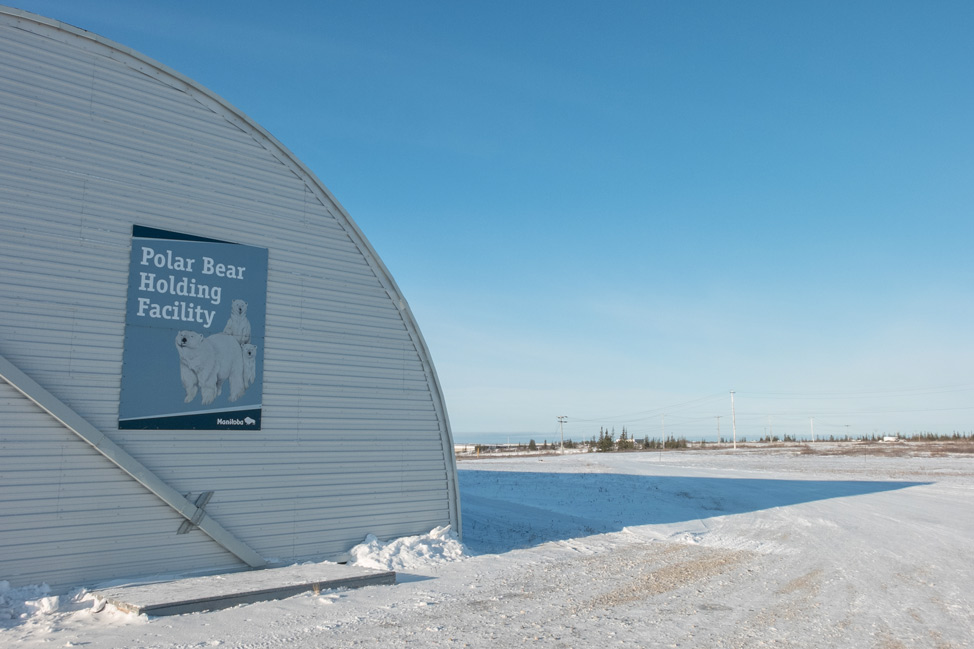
191 523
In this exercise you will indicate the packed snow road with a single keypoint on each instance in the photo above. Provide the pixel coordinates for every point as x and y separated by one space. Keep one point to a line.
741 548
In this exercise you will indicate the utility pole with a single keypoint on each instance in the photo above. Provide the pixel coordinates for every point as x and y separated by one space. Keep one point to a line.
811 421
733 418
561 424
662 432
718 429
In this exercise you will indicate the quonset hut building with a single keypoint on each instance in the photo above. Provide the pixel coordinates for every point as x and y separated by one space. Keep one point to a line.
205 365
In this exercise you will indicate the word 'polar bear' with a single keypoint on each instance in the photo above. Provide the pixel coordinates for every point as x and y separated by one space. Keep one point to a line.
249 364
238 325
206 363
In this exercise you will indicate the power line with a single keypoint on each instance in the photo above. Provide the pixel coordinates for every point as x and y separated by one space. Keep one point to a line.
648 414
863 394
690 415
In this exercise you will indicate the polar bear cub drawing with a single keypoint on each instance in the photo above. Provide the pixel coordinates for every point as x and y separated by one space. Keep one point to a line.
249 364
238 325
207 363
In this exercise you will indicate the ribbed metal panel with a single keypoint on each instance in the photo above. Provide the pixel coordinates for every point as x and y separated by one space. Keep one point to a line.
95 138
69 514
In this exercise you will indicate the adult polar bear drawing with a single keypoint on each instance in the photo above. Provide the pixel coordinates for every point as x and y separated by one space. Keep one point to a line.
249 364
206 363
238 325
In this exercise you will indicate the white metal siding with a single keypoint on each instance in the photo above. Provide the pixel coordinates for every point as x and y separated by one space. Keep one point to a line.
355 439
68 513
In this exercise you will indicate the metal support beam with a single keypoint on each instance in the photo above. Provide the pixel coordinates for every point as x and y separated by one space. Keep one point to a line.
115 454
192 523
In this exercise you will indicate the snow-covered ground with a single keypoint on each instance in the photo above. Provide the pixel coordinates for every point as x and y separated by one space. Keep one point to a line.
716 548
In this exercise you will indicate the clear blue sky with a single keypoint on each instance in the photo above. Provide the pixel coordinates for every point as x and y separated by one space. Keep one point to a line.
605 209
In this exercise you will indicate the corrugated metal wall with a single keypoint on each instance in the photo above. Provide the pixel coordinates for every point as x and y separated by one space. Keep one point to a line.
95 138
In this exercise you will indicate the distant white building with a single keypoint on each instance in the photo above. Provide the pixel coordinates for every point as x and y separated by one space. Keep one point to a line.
205 365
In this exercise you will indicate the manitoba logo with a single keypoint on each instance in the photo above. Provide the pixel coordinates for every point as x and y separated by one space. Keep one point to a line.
247 421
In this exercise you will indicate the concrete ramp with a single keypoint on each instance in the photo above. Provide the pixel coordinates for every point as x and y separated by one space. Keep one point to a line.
214 592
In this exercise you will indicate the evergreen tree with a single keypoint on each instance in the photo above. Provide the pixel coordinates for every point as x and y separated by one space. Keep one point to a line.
625 443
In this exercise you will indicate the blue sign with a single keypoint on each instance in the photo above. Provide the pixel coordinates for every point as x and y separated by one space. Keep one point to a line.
194 333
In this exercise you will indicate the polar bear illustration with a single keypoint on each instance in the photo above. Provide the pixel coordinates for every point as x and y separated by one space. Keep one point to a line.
238 325
206 363
249 364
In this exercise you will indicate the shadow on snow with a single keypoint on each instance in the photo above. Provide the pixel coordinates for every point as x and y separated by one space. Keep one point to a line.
504 511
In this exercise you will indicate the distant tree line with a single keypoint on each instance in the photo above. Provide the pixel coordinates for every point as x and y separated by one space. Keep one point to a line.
607 441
